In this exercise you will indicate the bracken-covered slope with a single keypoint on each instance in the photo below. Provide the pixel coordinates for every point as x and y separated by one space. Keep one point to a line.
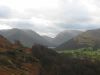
90 38
4 43
17 60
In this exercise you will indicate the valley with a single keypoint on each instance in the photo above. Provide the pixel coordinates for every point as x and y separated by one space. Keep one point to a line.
39 59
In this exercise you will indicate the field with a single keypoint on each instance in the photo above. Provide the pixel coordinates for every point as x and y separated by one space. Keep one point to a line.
82 53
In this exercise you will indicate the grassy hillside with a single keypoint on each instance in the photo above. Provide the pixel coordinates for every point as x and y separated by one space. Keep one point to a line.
90 38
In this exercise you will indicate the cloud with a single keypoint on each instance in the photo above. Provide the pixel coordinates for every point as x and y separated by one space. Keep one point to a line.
49 17
40 25
22 24
5 27
5 12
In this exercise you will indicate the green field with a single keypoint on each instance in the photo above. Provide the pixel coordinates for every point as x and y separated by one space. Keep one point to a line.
82 53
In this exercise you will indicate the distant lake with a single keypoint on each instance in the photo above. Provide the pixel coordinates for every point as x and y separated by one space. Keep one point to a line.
51 47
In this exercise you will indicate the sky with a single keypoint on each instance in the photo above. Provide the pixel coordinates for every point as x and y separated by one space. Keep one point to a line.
49 17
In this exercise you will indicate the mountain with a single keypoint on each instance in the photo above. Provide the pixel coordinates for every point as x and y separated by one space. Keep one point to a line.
65 36
26 37
90 38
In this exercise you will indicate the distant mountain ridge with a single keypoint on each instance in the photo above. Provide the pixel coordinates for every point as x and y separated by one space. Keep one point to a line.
65 36
26 37
30 37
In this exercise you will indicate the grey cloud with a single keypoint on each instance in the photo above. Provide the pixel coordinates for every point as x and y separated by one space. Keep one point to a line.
68 12
5 12
75 11
83 26
22 24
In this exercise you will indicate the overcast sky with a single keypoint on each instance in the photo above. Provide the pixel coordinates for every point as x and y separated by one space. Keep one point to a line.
48 17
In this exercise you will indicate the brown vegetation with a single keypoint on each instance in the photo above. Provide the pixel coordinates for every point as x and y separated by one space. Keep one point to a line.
39 60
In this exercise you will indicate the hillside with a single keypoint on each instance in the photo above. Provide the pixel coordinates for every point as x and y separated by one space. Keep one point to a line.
26 37
44 61
65 36
40 60
90 38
